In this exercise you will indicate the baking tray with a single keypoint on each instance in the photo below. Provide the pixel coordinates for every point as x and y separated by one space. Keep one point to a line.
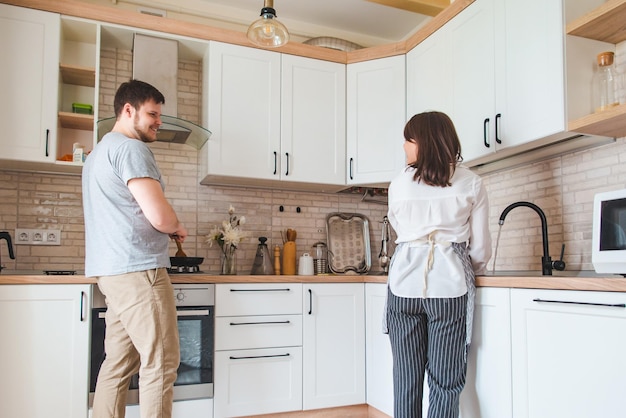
348 239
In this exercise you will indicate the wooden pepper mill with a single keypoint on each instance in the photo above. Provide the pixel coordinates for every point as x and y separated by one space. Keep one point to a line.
277 260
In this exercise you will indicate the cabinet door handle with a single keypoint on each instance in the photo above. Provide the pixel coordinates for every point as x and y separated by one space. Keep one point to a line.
83 305
351 162
498 116
287 171
260 323
610 305
250 357
275 162
486 132
286 289
310 302
47 142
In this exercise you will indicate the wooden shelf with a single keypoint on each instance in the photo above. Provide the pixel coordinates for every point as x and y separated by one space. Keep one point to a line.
80 76
606 23
76 121
610 123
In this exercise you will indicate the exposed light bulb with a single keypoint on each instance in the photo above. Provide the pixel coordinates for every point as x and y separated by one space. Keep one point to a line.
267 31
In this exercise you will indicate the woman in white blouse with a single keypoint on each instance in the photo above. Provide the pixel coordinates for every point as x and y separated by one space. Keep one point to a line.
439 211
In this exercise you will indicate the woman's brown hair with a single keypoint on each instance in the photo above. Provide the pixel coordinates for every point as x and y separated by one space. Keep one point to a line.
438 147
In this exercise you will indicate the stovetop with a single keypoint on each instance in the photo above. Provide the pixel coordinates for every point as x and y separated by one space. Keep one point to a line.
184 270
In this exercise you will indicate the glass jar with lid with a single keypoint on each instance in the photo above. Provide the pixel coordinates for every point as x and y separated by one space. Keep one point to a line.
605 83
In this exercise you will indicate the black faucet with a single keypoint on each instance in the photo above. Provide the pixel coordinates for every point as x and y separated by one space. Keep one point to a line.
4 235
546 262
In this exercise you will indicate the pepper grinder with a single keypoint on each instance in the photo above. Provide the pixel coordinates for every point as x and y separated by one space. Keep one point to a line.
277 260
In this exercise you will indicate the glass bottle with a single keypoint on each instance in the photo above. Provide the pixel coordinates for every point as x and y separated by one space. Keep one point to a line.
604 84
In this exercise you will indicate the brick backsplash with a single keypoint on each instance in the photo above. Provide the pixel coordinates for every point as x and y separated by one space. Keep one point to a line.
563 187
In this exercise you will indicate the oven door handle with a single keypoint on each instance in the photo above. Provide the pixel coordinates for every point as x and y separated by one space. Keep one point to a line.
193 312
179 313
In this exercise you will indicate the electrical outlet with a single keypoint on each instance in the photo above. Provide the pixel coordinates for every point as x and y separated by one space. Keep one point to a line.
37 236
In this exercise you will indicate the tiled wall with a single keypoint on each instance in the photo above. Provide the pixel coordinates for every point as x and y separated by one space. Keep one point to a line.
563 187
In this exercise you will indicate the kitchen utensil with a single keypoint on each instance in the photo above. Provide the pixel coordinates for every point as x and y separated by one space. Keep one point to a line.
180 252
348 243
291 234
289 258
186 261
262 262
305 265
320 257
383 256
277 260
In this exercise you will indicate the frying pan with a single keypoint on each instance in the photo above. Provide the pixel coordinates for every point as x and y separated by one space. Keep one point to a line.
186 261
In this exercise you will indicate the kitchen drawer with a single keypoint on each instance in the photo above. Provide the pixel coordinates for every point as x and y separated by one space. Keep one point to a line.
258 299
245 332
255 382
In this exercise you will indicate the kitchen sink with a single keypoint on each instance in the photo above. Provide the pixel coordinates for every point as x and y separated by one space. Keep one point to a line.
537 273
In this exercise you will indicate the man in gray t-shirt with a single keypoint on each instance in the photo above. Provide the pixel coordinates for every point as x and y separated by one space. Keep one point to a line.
128 224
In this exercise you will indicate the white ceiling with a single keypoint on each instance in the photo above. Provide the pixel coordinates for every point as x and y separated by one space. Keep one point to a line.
358 21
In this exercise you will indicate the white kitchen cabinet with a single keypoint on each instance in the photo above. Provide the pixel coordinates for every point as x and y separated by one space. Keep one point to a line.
379 361
427 76
196 408
375 120
45 350
29 41
274 118
488 392
501 69
472 46
313 121
258 349
243 111
333 344
567 351
505 82
255 382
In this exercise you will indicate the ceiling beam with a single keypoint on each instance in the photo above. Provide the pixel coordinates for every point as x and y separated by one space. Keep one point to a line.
423 7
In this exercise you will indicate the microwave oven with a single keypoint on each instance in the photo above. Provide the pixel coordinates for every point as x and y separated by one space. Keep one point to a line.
609 232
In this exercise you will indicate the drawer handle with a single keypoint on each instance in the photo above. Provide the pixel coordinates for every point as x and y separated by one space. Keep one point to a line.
610 305
260 323
250 357
260 290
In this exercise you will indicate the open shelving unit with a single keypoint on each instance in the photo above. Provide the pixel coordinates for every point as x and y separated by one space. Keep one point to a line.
77 84
605 23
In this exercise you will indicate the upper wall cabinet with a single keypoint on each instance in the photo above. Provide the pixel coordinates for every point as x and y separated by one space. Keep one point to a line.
502 67
29 41
313 121
375 120
243 111
273 118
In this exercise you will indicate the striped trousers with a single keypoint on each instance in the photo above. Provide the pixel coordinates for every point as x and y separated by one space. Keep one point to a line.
427 335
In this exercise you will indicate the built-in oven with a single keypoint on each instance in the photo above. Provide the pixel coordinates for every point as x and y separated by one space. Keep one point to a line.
195 306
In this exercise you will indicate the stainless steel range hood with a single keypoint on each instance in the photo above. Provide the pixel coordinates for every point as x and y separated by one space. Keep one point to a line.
172 130
155 61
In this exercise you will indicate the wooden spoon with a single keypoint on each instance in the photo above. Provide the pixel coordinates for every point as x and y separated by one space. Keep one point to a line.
180 252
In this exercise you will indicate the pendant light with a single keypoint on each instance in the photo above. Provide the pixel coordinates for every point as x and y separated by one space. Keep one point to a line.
267 31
